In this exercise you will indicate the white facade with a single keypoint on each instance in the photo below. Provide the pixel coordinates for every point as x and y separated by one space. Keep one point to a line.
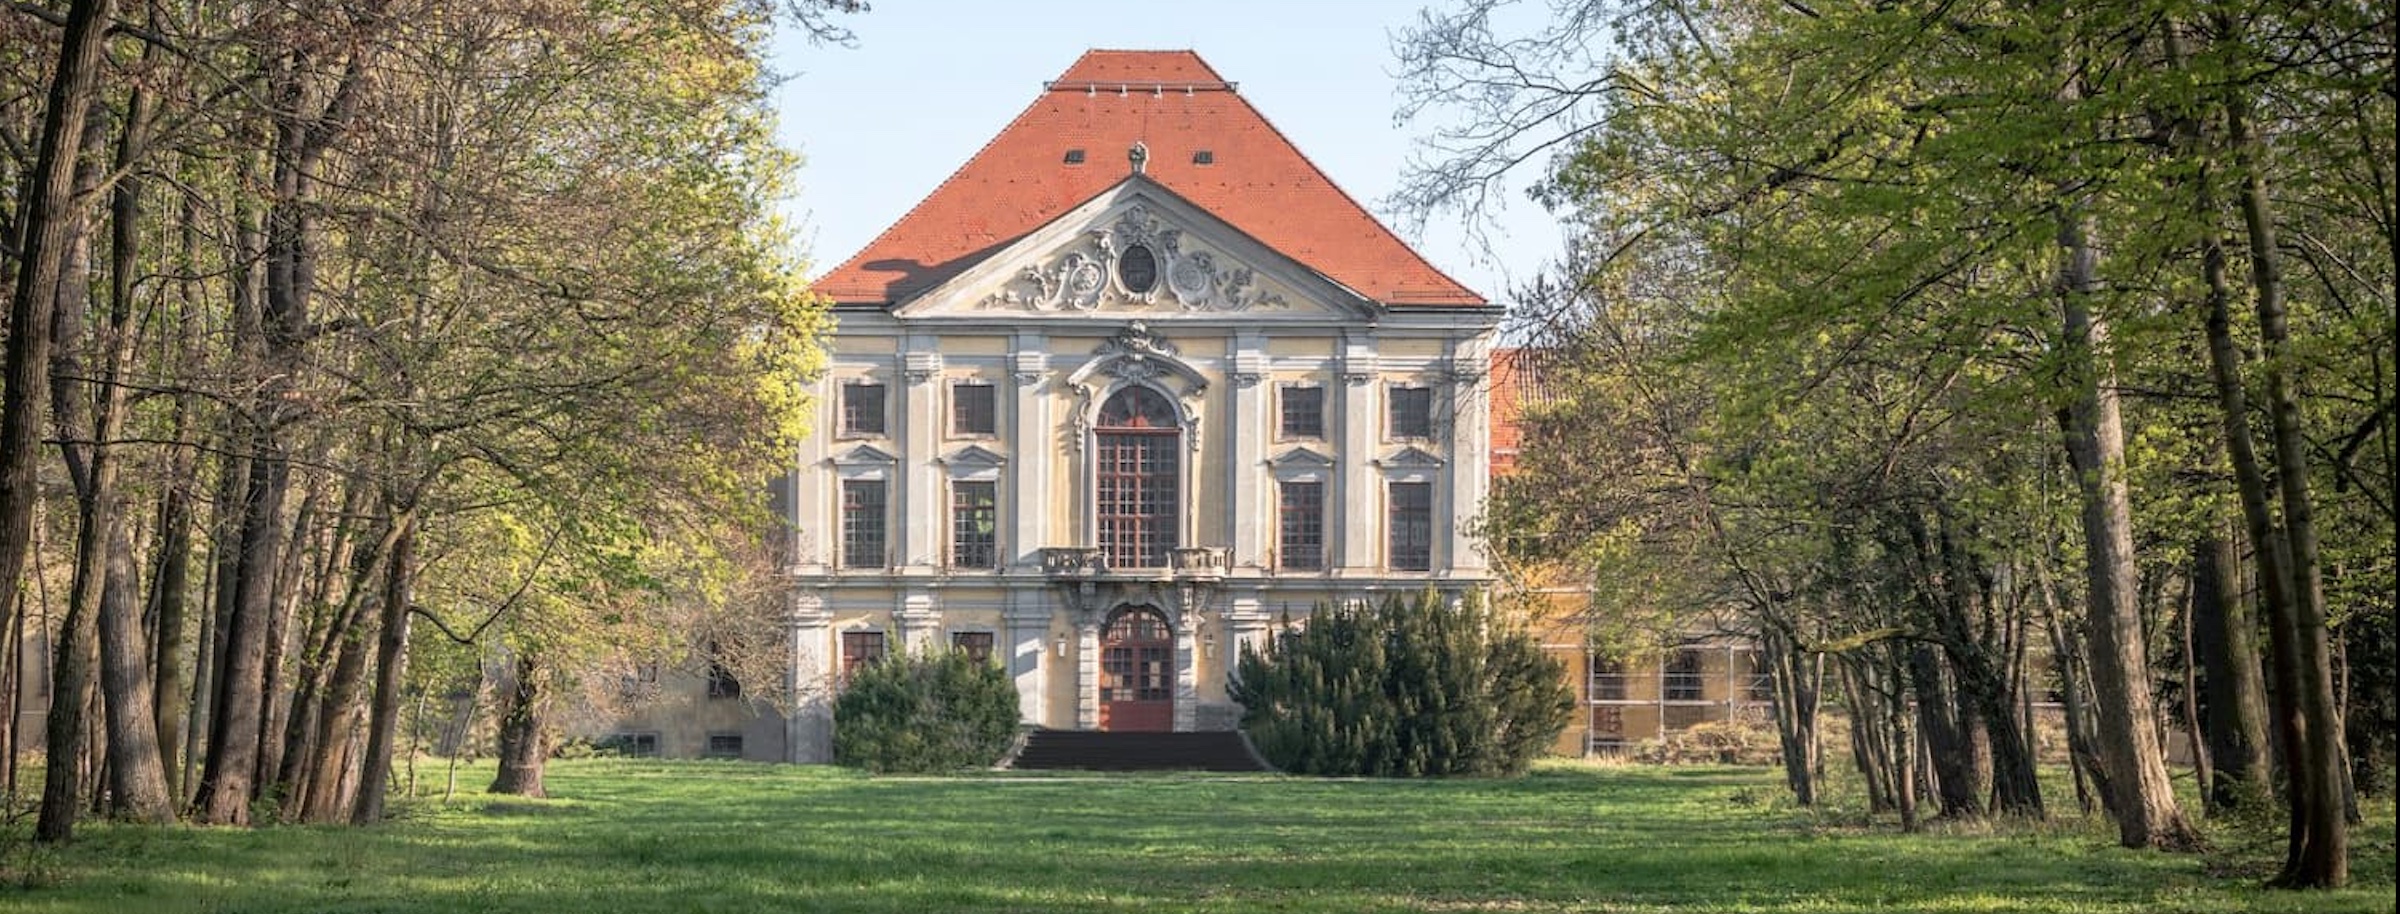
1136 287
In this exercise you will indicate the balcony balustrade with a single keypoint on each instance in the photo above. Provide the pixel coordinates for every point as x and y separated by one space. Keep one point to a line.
1189 562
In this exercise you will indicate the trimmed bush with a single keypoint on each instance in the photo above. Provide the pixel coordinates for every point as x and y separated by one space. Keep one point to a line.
927 713
1403 688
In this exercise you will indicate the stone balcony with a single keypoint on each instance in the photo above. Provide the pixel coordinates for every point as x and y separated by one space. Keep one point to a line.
1091 562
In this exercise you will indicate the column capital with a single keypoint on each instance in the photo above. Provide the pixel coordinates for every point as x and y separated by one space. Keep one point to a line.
920 367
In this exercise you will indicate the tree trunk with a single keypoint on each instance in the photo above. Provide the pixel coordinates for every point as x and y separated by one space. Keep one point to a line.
229 781
277 687
49 212
2145 809
170 604
337 724
522 747
2319 854
71 733
2225 637
1796 677
46 215
1865 748
391 665
137 776
1906 778
1959 787
331 615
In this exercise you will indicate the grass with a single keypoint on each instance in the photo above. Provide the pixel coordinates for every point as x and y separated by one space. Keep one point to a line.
731 837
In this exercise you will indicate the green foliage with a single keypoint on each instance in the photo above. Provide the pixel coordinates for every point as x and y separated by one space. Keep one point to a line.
1406 687
937 712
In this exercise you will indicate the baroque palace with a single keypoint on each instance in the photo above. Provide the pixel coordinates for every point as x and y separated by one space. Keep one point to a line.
1134 382
1130 386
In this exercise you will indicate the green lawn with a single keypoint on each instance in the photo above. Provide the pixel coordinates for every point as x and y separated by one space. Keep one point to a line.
730 837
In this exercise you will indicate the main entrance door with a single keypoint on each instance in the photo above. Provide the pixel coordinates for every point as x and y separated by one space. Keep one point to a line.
1137 671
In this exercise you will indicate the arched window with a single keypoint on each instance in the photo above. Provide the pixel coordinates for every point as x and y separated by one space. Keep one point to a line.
1138 470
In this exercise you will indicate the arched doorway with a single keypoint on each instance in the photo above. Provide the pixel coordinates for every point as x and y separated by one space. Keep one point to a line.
1137 671
1137 475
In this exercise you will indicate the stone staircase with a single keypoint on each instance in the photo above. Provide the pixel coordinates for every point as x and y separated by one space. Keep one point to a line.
1092 750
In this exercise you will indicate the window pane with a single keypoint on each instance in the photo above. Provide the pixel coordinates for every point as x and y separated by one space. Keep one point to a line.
721 683
863 523
1137 511
862 409
1412 526
1304 412
976 645
974 524
1683 680
1412 412
1302 545
974 410
860 649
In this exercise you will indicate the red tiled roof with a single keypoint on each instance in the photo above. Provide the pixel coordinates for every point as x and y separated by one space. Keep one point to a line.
1508 378
1173 103
1516 381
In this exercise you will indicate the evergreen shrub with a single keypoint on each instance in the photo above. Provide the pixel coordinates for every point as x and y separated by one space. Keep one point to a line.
1405 687
942 711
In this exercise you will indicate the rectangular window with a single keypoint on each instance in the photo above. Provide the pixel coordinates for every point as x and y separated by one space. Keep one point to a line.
1301 546
1303 412
976 645
1412 526
1412 412
974 409
1137 497
633 745
1682 680
862 408
1608 678
863 513
723 744
974 524
721 683
860 649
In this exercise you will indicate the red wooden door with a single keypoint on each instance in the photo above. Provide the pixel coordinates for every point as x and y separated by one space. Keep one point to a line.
1137 672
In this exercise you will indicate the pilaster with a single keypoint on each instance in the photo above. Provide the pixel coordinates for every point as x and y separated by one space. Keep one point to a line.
1087 674
1187 674
1028 618
918 614
1362 434
1032 448
919 393
1247 430
1470 456
808 731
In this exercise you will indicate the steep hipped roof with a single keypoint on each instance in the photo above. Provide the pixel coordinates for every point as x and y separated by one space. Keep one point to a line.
1177 107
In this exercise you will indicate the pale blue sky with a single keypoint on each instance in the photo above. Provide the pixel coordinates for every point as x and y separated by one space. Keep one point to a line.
881 124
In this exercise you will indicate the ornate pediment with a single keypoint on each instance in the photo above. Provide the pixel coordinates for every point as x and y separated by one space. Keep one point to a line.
971 458
1301 458
1138 249
1139 261
1138 354
1410 458
865 455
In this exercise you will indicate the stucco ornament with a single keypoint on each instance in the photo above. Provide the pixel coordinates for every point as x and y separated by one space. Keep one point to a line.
1089 274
